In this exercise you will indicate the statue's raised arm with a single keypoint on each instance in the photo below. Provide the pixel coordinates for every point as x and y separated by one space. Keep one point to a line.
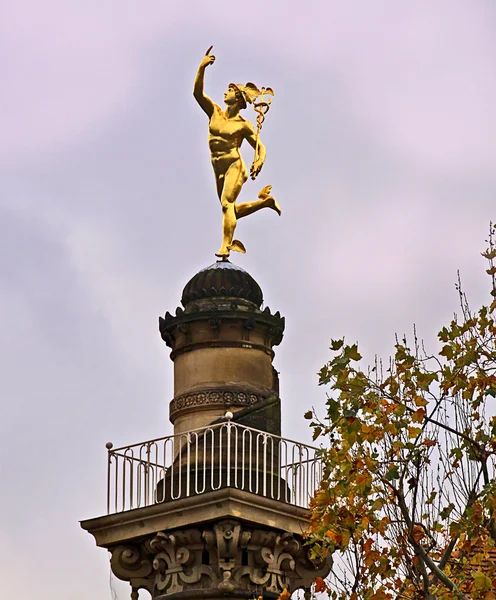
226 132
200 96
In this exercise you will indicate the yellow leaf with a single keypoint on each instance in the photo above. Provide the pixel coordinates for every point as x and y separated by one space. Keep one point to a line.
481 581
420 401
414 431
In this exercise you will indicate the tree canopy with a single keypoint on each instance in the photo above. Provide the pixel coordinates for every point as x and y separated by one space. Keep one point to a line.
407 501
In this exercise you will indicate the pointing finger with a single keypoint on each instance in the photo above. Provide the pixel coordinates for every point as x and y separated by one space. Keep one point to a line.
208 51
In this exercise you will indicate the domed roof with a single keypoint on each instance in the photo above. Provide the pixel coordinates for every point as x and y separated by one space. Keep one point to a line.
222 279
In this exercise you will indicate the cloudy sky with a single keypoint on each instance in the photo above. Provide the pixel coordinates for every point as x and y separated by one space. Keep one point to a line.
381 148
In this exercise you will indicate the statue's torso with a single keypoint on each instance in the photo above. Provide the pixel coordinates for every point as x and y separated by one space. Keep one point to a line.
225 135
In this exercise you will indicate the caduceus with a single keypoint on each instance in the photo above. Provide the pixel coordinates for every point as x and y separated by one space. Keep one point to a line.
226 132
261 104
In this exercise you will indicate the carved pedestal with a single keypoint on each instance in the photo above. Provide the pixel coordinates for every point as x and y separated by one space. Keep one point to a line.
224 543
227 558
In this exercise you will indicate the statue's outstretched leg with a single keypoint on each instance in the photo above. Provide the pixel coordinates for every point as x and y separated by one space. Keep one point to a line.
265 200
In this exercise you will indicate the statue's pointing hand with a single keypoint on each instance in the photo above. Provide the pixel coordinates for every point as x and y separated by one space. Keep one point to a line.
208 59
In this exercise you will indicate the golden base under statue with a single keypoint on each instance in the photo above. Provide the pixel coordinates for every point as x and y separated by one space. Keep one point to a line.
226 132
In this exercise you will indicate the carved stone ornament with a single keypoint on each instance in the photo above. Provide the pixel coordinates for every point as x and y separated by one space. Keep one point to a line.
178 561
216 316
132 563
213 398
228 557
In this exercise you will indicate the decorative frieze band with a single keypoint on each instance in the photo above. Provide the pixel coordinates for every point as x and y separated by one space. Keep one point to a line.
184 321
223 398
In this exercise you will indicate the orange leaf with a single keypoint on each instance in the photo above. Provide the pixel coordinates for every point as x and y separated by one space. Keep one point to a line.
284 595
320 585
371 557
418 415
418 533
337 538
428 442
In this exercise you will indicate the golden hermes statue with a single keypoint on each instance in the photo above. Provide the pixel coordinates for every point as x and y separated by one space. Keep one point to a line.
226 131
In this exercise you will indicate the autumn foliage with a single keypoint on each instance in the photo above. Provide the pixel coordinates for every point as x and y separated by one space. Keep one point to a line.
407 502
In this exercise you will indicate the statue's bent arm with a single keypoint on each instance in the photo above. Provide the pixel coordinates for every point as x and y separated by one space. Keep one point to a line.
255 142
257 145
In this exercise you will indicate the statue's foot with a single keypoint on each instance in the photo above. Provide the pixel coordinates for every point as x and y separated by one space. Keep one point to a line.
223 253
237 246
270 201
264 192
274 205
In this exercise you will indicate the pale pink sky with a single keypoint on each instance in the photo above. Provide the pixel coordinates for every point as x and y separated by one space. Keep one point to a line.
381 149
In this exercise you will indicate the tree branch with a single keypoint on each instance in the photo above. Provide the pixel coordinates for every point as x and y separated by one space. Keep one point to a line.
421 553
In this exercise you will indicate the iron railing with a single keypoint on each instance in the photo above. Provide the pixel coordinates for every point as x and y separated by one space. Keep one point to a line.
207 459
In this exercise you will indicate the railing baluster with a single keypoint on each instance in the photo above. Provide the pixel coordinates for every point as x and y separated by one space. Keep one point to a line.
235 456
131 480
144 477
228 457
250 462
109 475
243 459
153 466
286 470
139 483
204 467
271 440
212 459
116 482
197 450
294 488
188 463
264 442
174 469
219 468
304 477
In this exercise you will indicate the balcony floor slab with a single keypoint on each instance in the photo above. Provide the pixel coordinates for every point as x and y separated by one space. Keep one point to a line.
133 524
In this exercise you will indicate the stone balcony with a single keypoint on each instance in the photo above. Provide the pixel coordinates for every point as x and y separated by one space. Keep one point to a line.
216 511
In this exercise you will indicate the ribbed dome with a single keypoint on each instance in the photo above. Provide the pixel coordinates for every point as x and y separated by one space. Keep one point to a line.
222 279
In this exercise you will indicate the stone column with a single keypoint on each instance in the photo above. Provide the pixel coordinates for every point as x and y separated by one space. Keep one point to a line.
227 540
222 349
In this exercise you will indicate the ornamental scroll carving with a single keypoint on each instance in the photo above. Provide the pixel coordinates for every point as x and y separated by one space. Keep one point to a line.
178 561
228 557
132 563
